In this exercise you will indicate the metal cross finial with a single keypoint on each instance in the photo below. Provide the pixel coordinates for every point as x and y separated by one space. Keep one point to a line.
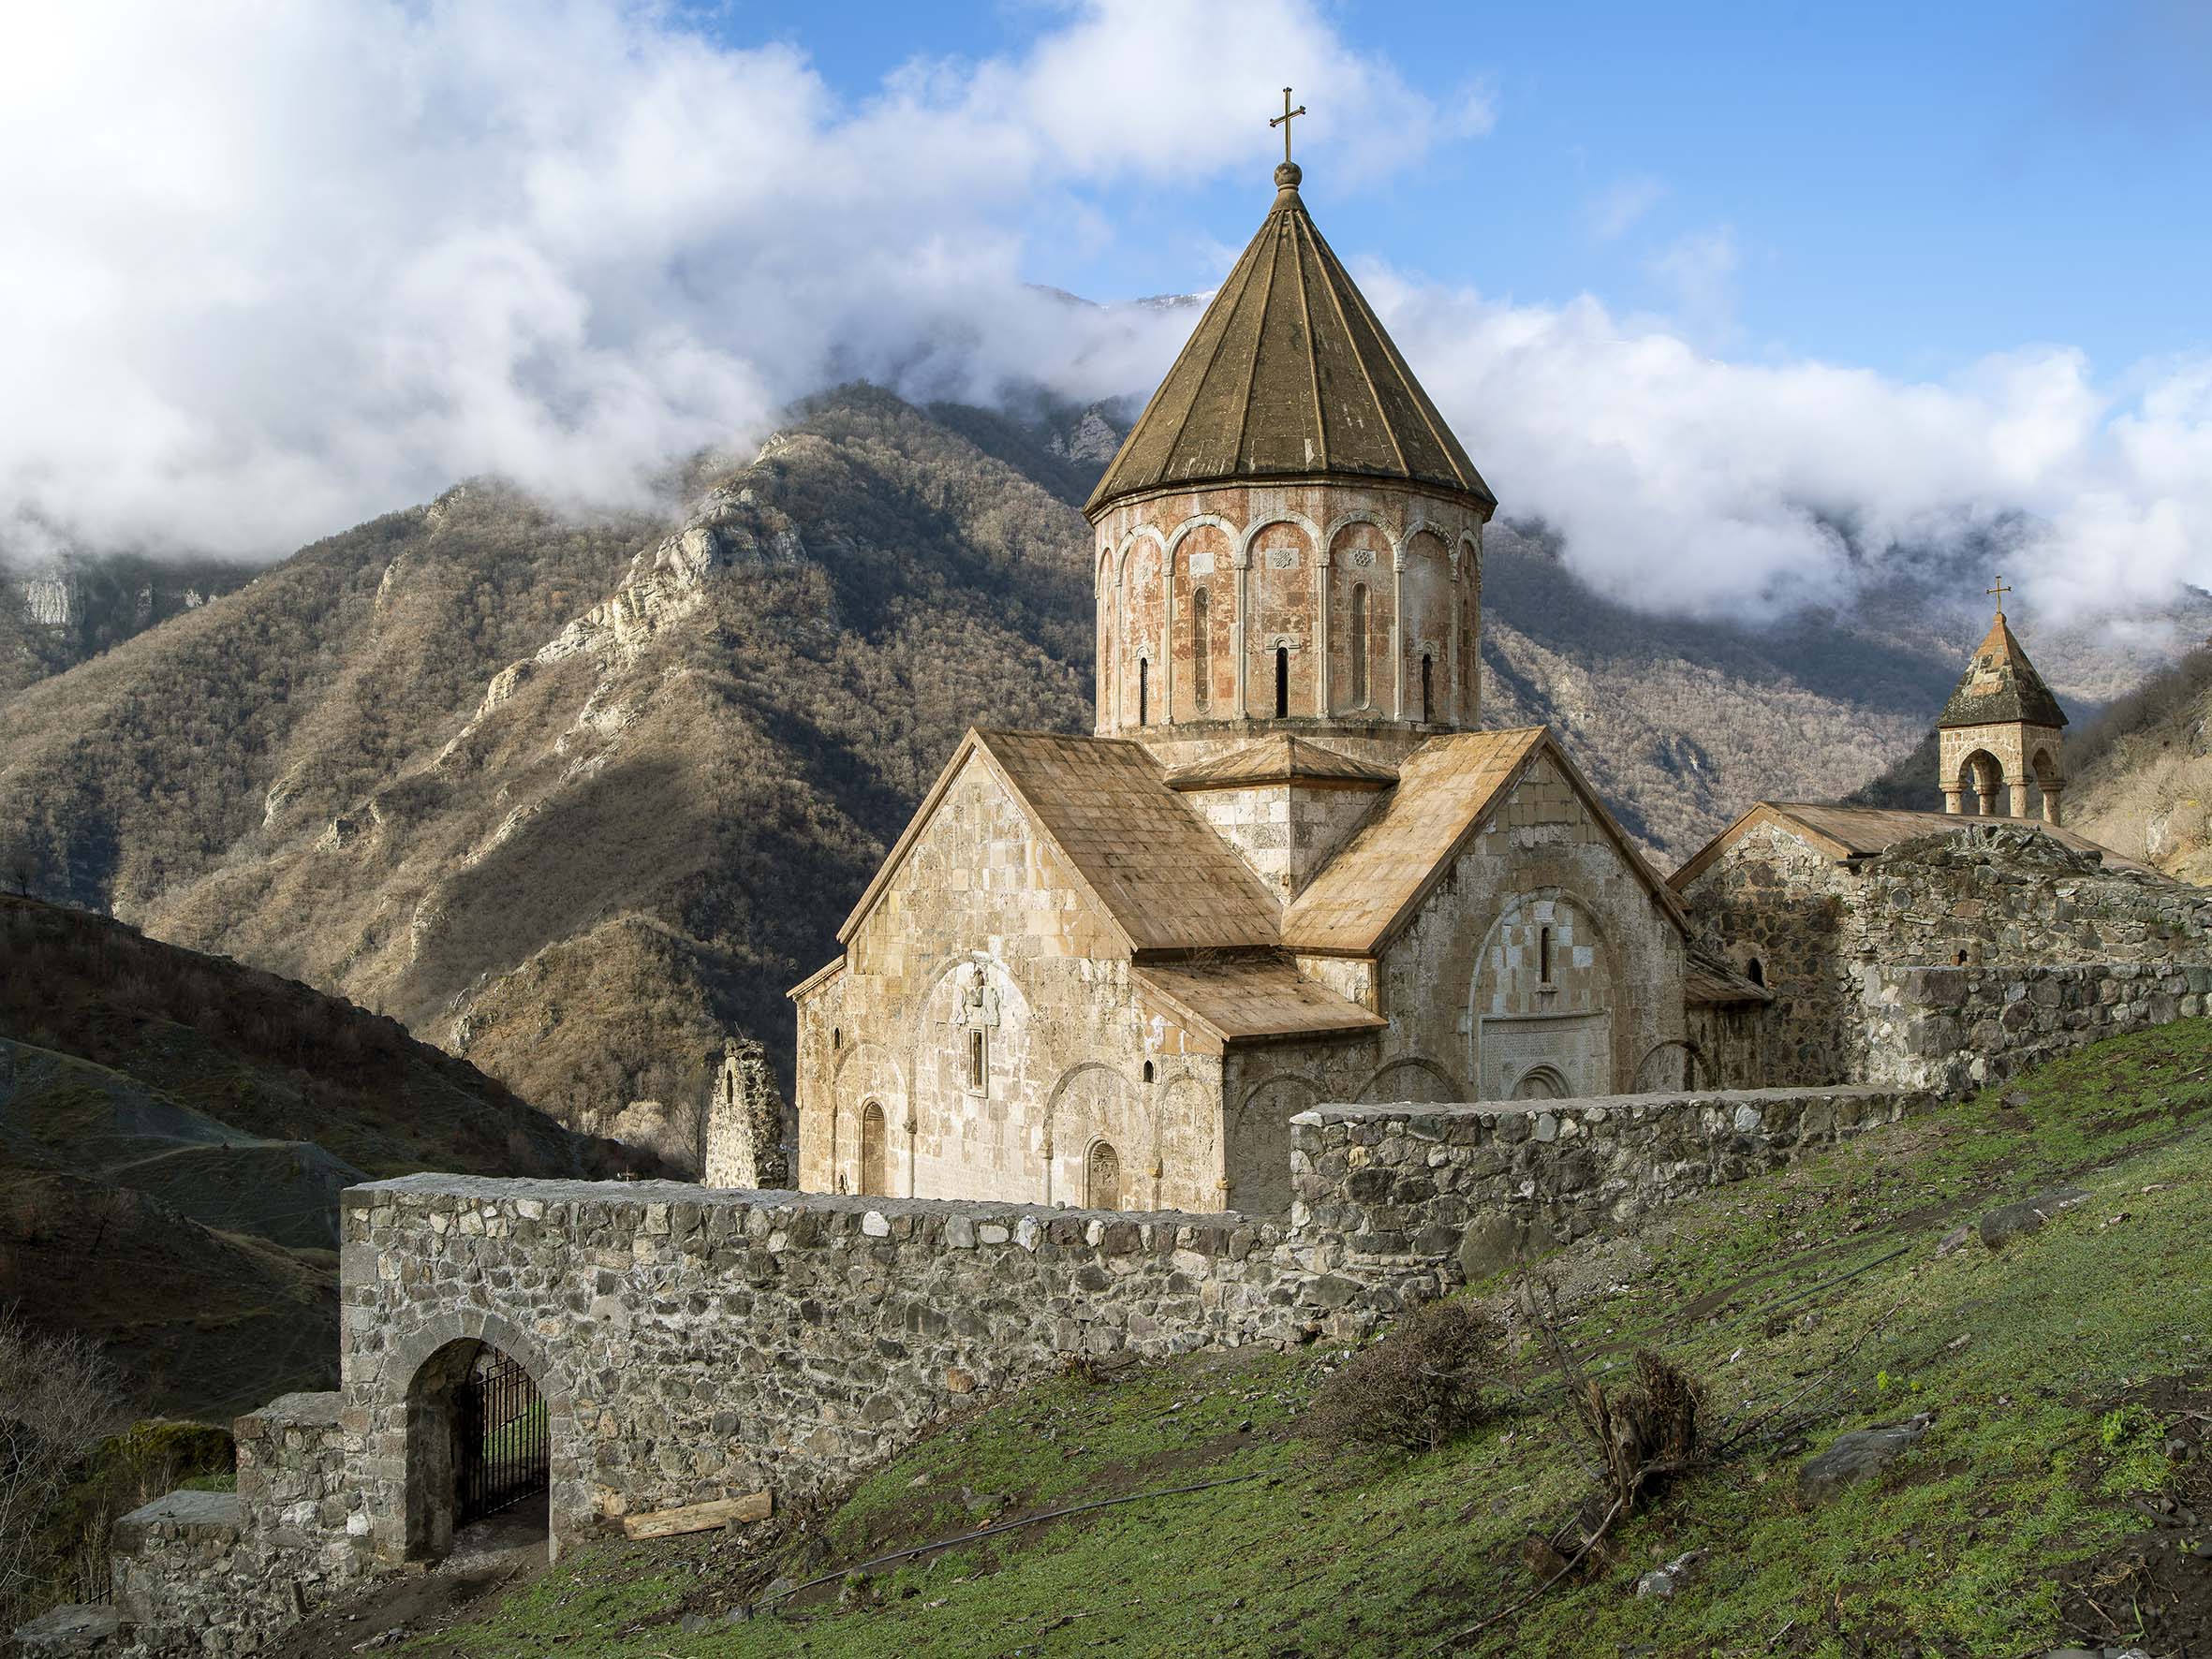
1283 121
2000 591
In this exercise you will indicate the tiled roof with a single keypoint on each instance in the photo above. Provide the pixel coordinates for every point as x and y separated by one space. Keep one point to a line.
1844 832
1279 758
1446 789
1246 999
2001 684
1162 877
1290 374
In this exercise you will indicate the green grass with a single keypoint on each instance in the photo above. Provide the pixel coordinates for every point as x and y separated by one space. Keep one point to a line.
2034 1362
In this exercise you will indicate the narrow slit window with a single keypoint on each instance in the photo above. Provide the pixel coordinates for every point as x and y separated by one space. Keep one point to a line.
1143 691
1202 654
1282 682
1359 645
1428 701
1543 956
978 1062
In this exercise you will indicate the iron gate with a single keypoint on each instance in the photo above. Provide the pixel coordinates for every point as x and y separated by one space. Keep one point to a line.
500 1454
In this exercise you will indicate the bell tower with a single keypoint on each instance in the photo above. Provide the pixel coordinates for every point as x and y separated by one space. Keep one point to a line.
1997 743
1289 540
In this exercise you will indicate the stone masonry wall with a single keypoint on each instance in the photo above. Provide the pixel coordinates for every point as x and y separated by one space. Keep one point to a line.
212 1572
1421 1199
693 1344
1954 1029
1990 895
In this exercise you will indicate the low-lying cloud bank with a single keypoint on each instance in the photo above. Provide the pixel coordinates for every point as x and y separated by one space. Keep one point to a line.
267 272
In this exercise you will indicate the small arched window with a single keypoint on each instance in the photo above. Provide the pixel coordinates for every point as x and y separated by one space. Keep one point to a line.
1359 645
1429 698
1282 682
1201 649
836 1036
1148 1071
1755 970
1101 1178
1143 691
1543 956
978 1059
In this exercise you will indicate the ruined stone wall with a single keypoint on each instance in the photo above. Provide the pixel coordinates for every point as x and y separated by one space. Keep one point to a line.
217 1572
984 930
746 1135
1953 1029
1980 896
1415 1200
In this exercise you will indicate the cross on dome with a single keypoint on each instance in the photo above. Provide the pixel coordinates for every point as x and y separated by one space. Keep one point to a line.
1284 120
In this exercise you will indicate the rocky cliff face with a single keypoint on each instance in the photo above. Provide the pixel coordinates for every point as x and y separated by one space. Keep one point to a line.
59 611
579 798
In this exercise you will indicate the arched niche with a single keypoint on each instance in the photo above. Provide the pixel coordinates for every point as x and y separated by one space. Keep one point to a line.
1427 601
1362 608
1281 639
1544 994
1145 626
1204 564
1257 1155
1090 1102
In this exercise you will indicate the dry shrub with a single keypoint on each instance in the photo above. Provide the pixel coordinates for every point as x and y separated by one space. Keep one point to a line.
1418 1387
1648 1432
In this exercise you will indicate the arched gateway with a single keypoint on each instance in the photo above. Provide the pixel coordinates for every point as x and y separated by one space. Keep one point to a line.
482 1423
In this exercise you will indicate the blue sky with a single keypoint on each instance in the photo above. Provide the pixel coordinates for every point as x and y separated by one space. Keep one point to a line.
1903 186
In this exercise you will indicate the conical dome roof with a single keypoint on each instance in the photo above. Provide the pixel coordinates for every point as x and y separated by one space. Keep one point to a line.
1290 376
2001 684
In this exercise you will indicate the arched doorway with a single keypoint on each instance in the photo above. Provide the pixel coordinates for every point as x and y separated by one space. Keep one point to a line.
872 1179
479 1450
1101 1178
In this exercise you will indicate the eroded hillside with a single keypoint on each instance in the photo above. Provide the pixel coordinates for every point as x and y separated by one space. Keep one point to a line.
580 798
174 1131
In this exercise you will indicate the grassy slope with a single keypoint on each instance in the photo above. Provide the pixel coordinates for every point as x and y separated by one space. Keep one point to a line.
1965 1544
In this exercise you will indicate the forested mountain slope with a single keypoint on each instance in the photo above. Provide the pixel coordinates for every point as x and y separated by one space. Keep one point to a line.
578 799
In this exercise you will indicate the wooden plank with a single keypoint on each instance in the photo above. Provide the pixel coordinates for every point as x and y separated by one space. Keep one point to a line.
699 1517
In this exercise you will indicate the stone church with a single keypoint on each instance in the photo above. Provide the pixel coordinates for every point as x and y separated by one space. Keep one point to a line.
1288 867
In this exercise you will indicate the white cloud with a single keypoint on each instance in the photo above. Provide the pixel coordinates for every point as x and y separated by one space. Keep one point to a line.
1685 481
269 271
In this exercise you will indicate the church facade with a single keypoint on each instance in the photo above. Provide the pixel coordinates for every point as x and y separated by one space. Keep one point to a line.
1288 868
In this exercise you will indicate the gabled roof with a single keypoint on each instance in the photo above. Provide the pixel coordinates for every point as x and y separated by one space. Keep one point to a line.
1164 880
1445 789
2001 684
1289 374
1251 999
1280 759
1842 833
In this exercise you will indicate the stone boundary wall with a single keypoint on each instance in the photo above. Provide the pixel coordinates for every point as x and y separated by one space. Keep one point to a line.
694 1344
1954 1029
1418 1199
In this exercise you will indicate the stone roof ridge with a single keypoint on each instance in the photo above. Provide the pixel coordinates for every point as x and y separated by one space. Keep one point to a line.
1280 759
1290 374
2001 684
1855 835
